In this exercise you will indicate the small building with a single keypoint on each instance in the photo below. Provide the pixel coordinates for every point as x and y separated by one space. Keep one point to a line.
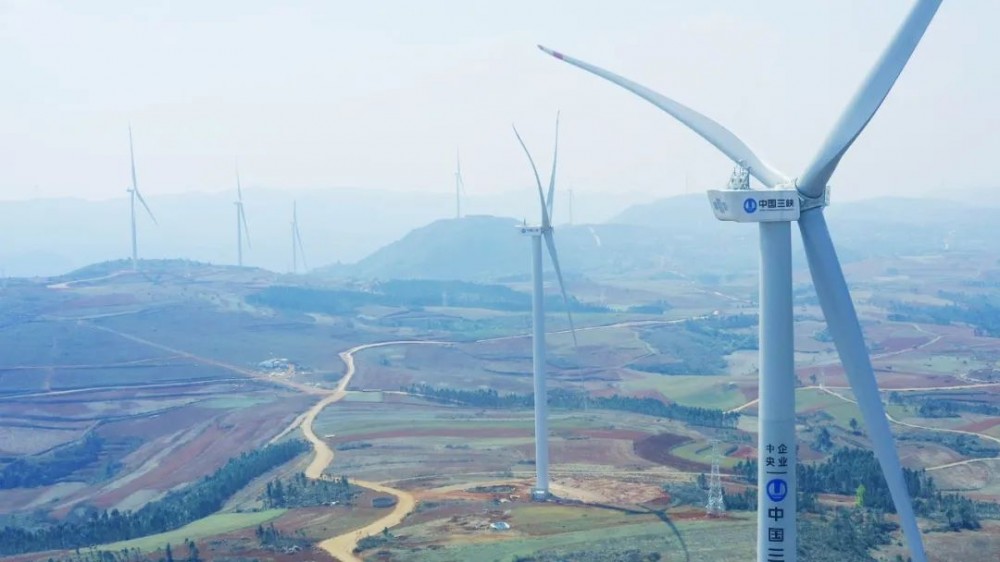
383 501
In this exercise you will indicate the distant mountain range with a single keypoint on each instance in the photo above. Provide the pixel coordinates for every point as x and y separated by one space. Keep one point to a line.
359 233
676 236
53 236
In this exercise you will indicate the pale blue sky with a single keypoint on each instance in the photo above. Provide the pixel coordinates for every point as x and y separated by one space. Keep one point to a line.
380 94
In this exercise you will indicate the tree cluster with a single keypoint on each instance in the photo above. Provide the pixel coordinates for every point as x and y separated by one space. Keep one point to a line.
300 491
975 310
929 406
28 472
570 400
849 470
408 293
697 347
175 510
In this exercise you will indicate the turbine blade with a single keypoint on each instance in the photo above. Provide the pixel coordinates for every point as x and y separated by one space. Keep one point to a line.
302 251
551 243
538 181
868 98
131 154
239 189
552 179
145 206
842 322
719 136
243 221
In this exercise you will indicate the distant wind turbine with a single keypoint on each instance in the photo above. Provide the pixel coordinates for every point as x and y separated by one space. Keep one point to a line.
241 221
133 195
801 199
297 250
537 234
459 185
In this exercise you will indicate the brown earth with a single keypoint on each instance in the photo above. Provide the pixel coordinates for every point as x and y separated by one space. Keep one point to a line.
656 448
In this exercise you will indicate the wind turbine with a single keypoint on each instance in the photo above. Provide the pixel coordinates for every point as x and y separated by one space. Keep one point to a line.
241 221
537 234
133 195
807 195
297 241
459 185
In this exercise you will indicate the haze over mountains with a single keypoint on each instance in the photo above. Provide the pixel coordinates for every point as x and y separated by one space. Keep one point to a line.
380 234
675 236
54 236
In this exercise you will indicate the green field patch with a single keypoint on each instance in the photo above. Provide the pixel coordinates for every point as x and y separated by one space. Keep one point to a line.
919 362
235 402
815 399
207 527
701 452
698 391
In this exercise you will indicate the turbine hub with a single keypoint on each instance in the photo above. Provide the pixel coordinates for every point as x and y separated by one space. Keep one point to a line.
806 202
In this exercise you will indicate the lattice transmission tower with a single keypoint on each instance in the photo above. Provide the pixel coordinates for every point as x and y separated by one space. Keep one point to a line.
716 504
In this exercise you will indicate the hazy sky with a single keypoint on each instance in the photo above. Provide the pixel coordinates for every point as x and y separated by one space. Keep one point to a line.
380 94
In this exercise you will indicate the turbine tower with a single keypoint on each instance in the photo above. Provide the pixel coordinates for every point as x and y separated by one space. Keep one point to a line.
802 199
537 234
297 249
133 195
459 185
241 221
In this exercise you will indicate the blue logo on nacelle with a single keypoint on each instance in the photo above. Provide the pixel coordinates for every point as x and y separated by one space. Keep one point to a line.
777 489
750 205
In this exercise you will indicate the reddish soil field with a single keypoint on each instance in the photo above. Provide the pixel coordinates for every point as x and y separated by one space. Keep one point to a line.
434 432
193 452
981 425
691 516
604 392
610 452
899 344
750 392
656 448
744 452
654 394
627 434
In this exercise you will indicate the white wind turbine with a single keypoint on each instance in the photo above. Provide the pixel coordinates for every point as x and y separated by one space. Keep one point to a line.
802 198
133 195
537 234
297 249
459 185
241 221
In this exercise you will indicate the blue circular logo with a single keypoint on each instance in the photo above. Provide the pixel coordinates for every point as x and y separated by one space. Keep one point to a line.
777 489
750 205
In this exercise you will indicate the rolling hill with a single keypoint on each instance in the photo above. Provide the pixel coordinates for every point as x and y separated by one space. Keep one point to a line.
675 236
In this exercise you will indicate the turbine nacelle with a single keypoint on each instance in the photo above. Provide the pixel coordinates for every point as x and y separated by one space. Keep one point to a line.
755 205
533 230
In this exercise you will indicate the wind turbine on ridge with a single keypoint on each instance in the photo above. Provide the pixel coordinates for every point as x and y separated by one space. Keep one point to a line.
133 195
241 221
297 248
801 199
538 234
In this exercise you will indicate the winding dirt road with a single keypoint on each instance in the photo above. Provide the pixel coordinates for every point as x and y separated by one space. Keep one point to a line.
342 547
934 339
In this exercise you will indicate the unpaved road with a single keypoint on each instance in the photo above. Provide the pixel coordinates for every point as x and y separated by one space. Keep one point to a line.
342 547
